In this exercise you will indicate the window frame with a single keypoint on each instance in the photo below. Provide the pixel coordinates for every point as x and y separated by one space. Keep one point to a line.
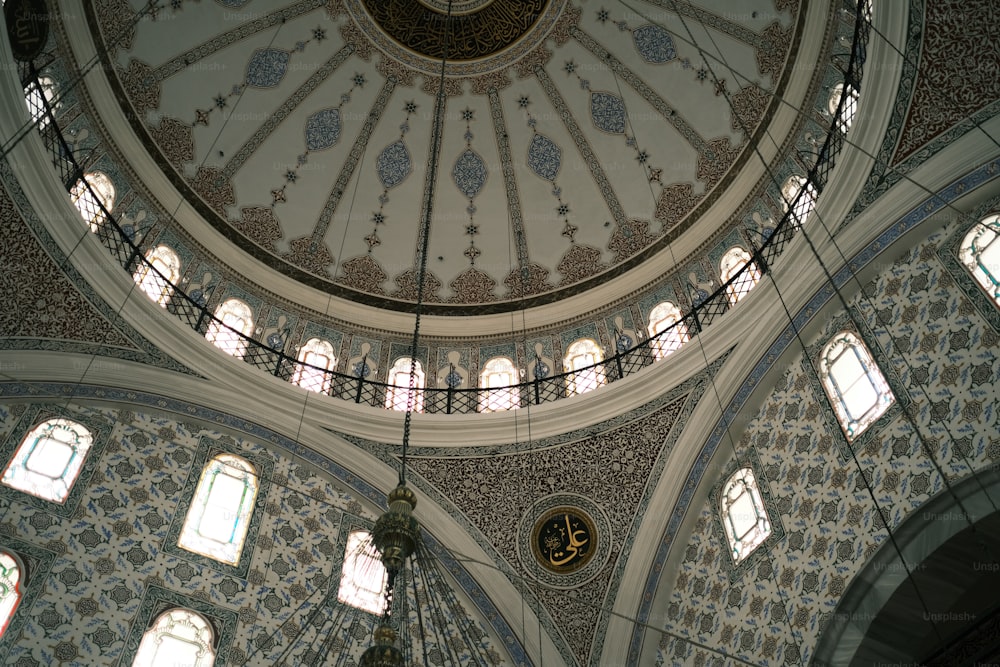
18 593
801 207
309 378
221 325
970 257
148 640
665 339
762 525
157 282
589 375
732 265
499 397
397 394
848 341
102 192
363 549
72 470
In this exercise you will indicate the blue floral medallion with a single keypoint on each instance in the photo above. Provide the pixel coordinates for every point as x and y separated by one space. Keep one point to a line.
453 379
608 112
654 44
393 164
469 173
544 157
322 129
267 67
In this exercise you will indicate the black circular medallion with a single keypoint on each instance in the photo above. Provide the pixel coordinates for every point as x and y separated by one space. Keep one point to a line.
564 539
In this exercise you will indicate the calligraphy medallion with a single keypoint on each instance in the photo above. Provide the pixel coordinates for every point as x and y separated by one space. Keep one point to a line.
563 539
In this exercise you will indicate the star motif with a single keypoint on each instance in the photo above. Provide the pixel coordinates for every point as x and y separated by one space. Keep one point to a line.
562 209
655 175
603 15
201 116
468 114
378 217
220 102
410 107
702 74
472 252
570 67
642 156
569 231
278 195
359 81
523 102
373 240
319 34
472 229
290 176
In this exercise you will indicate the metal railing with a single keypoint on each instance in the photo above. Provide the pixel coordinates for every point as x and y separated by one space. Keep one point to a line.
705 309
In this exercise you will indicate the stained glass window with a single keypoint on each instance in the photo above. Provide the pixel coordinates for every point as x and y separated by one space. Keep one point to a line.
667 331
316 353
854 383
363 578
89 200
233 317
10 588
49 459
497 379
583 358
217 522
731 267
801 206
399 395
178 638
158 283
850 105
980 253
743 515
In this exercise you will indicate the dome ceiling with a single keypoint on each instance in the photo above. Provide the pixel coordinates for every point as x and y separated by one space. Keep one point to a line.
577 142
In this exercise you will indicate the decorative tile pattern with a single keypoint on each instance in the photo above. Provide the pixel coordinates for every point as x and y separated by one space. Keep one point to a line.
322 129
267 67
469 173
608 112
654 44
393 164
544 157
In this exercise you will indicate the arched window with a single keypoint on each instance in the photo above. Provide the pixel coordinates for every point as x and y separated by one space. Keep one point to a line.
49 459
801 206
980 253
850 105
580 355
39 95
854 383
178 637
319 353
10 588
363 577
89 200
667 330
498 382
158 283
743 514
217 521
399 395
731 267
233 317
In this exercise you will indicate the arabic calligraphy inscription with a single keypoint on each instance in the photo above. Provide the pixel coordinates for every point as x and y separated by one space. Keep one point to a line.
564 539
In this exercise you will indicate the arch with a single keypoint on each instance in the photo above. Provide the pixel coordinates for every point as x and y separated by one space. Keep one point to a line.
217 521
10 588
315 358
158 274
499 380
743 514
232 318
801 206
667 330
49 459
90 200
399 394
854 384
980 254
363 576
583 365
178 637
731 268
